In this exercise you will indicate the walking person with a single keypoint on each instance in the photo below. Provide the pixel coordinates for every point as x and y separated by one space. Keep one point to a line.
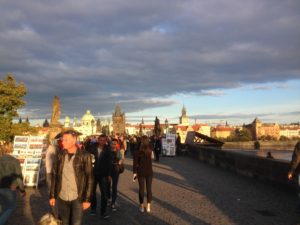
142 170
72 180
11 180
49 159
123 146
292 172
117 163
157 147
102 174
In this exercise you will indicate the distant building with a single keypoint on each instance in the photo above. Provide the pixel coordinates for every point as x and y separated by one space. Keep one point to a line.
67 122
46 123
184 126
259 129
290 131
184 119
222 132
87 125
118 119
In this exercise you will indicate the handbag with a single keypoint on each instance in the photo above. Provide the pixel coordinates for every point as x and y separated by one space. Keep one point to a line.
121 168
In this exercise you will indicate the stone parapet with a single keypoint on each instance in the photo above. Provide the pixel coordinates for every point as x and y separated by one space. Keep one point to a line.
270 170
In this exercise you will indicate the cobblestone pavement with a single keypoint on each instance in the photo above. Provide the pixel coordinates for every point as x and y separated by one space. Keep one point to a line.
185 191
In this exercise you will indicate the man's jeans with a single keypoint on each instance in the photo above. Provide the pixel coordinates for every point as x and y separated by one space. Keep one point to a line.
115 180
70 212
8 204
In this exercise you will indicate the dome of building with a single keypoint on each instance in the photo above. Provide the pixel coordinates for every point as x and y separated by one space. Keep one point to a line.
88 117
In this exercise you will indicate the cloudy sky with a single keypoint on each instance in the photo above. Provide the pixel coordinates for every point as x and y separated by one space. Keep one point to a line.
224 59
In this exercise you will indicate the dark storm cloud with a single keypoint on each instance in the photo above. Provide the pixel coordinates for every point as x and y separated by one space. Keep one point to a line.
94 54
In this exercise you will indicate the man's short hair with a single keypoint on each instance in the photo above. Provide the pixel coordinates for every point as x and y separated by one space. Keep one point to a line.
74 133
102 136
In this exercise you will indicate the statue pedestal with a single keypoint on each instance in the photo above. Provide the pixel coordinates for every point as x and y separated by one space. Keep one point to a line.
54 130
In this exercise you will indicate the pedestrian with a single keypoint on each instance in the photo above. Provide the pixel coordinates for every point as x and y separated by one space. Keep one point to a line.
49 159
157 147
72 180
132 143
11 180
117 163
269 155
142 170
102 174
178 144
123 146
293 169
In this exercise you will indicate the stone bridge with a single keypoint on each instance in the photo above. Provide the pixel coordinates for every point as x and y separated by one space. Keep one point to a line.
185 191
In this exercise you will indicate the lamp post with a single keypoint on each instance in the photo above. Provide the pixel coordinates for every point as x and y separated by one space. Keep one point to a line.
167 125
92 123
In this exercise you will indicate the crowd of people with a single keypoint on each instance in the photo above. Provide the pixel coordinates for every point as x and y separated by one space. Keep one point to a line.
76 169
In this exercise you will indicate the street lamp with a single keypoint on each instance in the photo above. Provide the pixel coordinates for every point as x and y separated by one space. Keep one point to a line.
92 123
167 125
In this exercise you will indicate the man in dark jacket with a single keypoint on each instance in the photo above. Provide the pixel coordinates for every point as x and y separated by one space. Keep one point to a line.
157 146
11 179
102 174
293 168
72 180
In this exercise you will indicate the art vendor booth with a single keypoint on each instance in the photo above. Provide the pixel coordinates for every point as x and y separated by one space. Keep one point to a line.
31 151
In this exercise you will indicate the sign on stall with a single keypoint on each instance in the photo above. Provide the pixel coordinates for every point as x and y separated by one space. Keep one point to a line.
168 145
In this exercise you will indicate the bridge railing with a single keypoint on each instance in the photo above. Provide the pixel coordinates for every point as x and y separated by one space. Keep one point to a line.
271 170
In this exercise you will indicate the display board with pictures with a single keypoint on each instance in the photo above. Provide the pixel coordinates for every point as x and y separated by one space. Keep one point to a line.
168 145
30 150
32 171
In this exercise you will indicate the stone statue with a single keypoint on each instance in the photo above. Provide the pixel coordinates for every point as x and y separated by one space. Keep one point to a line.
55 111
157 129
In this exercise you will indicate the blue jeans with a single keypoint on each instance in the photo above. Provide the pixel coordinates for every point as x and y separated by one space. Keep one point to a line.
114 186
70 212
8 204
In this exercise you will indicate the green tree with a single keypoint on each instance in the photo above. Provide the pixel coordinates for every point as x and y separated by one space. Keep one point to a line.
11 95
243 135
23 129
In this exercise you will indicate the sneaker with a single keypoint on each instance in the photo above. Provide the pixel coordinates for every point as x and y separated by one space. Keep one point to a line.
93 212
113 208
141 208
149 207
105 216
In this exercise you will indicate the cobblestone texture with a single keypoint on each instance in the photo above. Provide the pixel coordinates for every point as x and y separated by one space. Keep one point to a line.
185 191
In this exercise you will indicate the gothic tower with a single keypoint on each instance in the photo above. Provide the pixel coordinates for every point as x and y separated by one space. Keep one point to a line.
118 121
184 119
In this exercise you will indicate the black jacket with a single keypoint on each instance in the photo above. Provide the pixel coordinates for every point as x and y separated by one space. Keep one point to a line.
142 163
103 163
83 173
295 158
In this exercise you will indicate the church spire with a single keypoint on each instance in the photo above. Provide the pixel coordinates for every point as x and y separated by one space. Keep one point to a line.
183 111
118 110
